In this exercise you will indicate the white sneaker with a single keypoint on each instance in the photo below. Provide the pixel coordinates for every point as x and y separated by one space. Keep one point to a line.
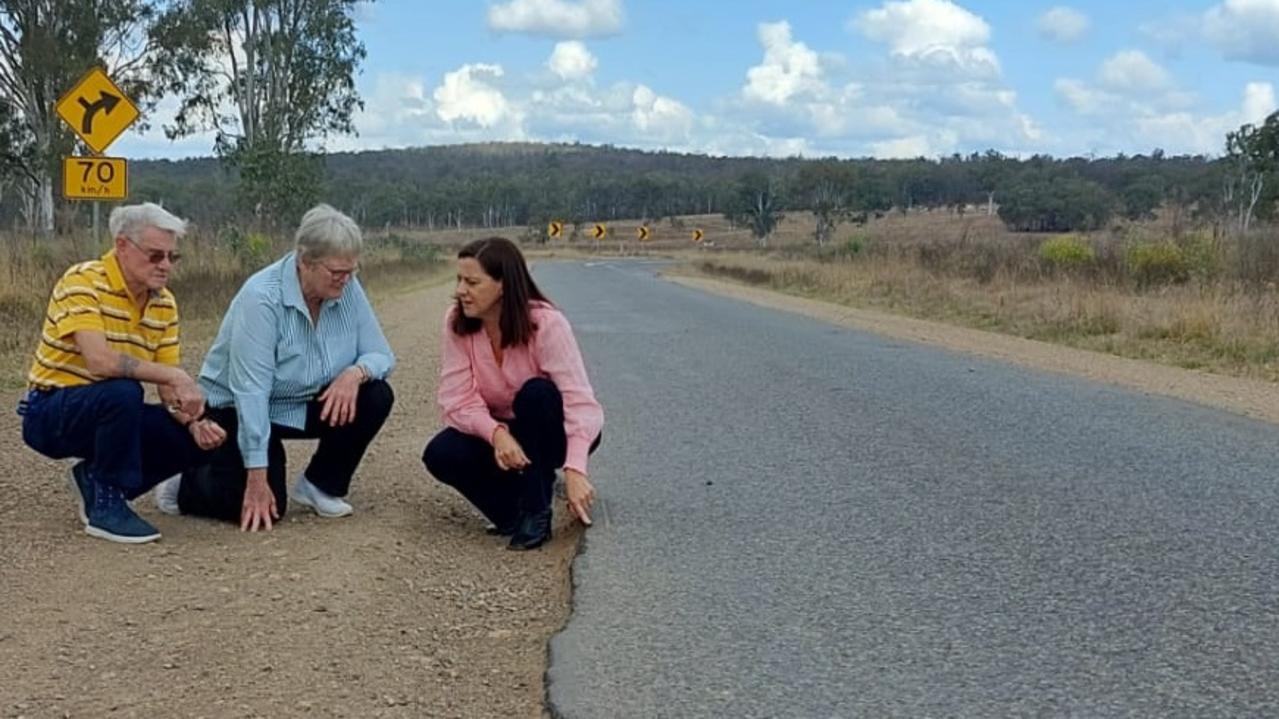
166 495
325 505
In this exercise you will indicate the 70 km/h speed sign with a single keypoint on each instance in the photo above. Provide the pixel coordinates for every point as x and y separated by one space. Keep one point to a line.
95 178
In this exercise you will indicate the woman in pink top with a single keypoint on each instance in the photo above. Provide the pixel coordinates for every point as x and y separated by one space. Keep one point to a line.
515 397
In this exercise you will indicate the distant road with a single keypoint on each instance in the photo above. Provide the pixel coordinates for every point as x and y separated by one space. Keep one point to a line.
806 521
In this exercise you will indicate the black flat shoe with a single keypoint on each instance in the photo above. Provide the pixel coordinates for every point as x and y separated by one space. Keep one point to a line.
505 530
532 531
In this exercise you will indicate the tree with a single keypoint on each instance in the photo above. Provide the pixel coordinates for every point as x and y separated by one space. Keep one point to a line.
270 78
45 46
1253 154
1142 196
756 204
991 171
826 186
1051 200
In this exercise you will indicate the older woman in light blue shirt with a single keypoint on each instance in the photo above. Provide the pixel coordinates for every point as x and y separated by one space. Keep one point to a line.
300 355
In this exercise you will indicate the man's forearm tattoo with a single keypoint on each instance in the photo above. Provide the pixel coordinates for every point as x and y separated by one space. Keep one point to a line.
128 365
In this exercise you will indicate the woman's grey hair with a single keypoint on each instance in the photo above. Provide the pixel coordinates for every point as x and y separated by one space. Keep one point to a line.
131 220
325 232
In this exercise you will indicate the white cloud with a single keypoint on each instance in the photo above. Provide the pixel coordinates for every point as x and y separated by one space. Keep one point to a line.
1174 33
902 147
1245 30
468 95
1082 98
1129 86
730 139
558 18
572 61
1119 124
660 116
1258 102
626 114
1062 24
938 32
789 68
937 81
1131 72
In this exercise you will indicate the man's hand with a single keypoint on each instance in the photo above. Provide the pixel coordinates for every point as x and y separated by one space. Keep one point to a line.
507 452
580 495
183 396
207 434
339 398
259 508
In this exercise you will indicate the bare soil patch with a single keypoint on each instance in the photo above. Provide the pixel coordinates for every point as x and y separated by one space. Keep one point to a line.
406 609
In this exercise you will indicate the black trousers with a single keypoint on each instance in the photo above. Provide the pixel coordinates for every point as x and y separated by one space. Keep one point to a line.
466 462
216 489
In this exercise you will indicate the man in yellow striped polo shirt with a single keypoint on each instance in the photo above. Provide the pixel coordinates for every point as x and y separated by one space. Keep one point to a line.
112 324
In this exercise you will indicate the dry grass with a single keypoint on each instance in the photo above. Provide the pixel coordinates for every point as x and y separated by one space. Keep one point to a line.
967 270
1226 326
208 277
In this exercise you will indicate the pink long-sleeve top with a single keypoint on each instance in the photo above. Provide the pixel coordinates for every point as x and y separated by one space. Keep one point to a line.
475 393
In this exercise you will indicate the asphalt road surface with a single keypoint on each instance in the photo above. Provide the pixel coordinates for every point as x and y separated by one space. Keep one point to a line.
801 520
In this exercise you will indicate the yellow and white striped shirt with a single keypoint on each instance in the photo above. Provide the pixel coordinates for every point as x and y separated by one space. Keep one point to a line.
93 296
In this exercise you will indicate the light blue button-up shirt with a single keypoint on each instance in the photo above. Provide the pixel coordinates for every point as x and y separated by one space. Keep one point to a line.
269 360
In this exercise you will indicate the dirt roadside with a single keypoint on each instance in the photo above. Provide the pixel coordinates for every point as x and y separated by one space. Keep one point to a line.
1251 398
406 609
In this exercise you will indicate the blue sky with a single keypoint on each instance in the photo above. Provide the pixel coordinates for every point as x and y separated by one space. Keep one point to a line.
851 79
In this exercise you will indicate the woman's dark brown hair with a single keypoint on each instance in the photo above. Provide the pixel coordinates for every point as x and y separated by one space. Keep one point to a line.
502 260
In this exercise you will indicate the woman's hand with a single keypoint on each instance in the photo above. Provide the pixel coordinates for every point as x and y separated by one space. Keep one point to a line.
580 495
339 397
207 433
508 452
258 509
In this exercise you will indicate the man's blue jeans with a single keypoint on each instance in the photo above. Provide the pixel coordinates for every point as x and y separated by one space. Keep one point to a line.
126 442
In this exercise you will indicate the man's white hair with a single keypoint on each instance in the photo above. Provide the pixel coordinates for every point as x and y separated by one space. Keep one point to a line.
326 232
131 220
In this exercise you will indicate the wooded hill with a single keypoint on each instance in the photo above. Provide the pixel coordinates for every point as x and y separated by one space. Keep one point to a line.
502 184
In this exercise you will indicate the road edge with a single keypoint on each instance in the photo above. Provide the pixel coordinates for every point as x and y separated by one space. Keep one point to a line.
1254 399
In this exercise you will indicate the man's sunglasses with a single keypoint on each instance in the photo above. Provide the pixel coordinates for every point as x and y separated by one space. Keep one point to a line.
155 257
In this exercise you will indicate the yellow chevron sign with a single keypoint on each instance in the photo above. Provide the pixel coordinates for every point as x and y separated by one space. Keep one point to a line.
599 231
555 229
697 235
642 231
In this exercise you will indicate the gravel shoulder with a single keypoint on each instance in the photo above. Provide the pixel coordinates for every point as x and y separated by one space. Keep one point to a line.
406 609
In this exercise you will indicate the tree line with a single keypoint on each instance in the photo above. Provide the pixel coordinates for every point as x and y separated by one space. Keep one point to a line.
505 184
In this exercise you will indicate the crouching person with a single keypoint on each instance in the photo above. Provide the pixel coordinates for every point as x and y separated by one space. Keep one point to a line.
299 355
515 396
112 325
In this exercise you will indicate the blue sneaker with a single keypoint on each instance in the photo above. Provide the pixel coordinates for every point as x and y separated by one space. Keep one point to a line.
81 489
112 519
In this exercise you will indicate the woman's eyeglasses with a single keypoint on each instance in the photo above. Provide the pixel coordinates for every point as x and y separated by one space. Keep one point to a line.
340 274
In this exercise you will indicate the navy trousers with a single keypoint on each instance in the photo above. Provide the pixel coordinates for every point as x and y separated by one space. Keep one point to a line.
126 442
466 463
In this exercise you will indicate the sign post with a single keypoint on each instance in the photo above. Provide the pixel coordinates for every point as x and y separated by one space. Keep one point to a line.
97 111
